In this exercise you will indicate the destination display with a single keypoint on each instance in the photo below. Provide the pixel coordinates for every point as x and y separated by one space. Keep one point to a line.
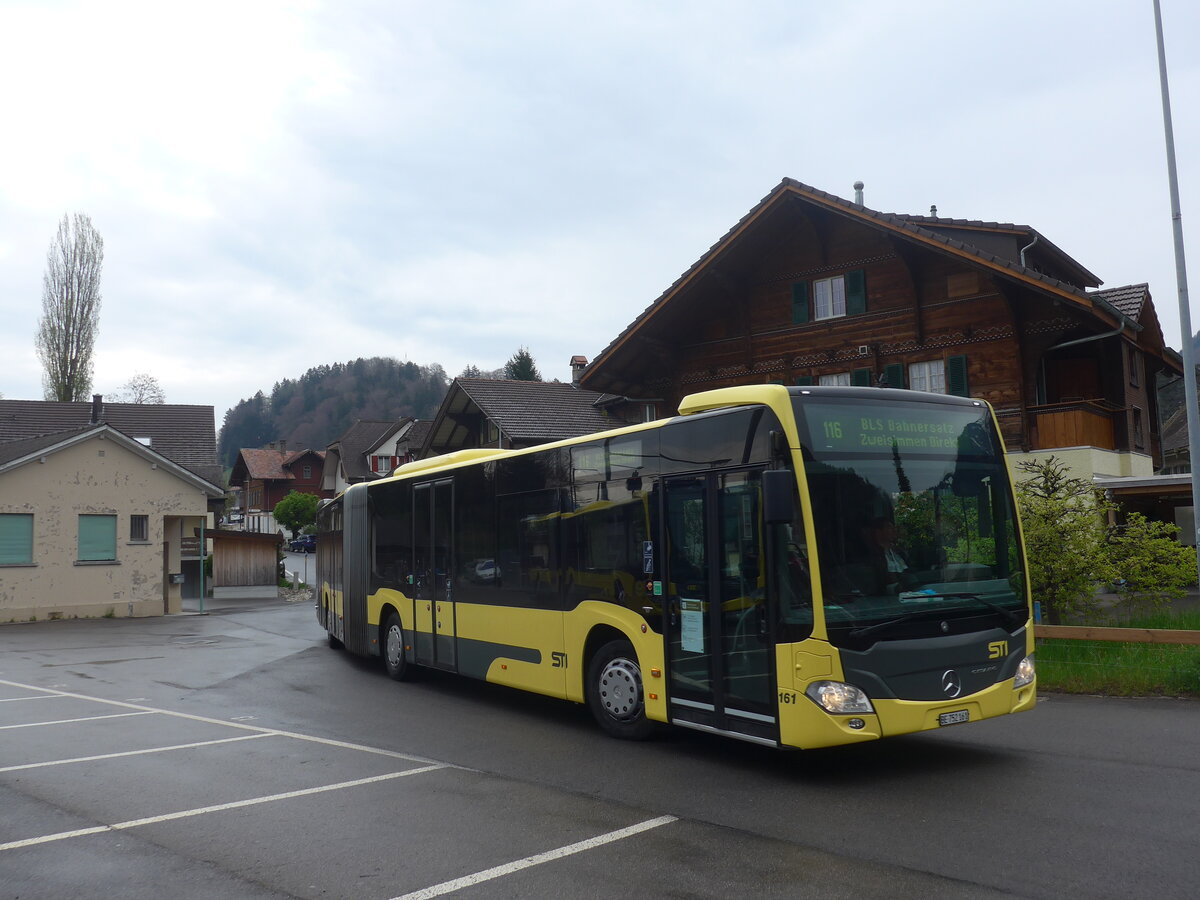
911 429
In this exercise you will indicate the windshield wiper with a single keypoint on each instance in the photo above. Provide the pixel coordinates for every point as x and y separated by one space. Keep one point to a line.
1010 616
883 626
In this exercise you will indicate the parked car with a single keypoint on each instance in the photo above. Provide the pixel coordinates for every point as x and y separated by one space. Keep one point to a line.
485 570
306 543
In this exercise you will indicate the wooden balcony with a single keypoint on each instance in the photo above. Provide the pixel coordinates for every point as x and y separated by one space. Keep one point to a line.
1080 423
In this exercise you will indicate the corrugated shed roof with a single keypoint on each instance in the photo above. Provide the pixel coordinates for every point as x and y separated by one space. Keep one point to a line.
184 434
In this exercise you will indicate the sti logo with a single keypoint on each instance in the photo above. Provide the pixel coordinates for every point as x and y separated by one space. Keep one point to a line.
997 649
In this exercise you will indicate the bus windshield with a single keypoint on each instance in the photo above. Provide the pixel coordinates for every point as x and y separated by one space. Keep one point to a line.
914 518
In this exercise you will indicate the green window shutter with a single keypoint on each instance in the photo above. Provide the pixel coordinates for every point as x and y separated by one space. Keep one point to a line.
97 538
804 381
856 292
894 374
16 539
956 376
861 377
799 302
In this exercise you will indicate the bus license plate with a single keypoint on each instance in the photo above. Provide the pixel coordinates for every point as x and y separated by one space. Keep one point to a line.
954 718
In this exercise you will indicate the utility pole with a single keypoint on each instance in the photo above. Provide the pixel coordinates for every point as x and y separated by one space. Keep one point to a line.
1185 314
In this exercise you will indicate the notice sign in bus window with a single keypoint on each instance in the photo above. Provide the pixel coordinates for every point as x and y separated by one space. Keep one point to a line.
692 625
870 428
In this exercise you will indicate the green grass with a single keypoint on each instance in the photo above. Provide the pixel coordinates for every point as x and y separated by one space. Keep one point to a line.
1124 670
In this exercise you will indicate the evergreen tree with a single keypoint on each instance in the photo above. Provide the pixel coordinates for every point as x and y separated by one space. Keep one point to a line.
521 367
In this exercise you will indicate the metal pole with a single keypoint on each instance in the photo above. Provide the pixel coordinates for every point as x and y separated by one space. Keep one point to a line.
1185 315
203 557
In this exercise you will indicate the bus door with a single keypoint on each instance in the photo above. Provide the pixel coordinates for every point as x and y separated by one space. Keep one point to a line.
719 651
433 599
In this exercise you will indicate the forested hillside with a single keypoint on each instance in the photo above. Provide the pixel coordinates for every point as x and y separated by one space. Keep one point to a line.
313 410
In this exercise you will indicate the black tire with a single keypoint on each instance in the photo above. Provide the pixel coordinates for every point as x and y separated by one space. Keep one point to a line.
615 694
334 643
395 660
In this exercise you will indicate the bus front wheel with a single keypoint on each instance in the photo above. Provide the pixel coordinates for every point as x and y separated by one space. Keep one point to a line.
395 661
615 693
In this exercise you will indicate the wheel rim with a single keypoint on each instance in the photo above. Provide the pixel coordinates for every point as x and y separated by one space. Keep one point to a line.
395 647
620 690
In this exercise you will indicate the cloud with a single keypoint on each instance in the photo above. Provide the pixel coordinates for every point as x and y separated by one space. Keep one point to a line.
281 185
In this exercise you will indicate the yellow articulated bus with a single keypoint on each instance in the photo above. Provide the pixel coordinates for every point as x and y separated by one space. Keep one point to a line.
796 567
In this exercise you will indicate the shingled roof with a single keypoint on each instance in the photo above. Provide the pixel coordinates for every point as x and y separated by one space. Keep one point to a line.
359 440
14 454
1129 299
268 464
184 434
940 234
526 412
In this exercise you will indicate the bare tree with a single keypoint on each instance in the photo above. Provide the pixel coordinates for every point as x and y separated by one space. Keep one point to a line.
141 388
70 309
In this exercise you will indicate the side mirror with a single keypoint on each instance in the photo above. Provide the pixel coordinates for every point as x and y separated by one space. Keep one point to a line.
778 491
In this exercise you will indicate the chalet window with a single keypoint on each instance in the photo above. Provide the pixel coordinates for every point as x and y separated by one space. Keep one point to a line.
1138 437
139 529
893 375
649 412
840 295
803 380
829 298
16 539
97 538
837 379
928 376
308 471
1134 374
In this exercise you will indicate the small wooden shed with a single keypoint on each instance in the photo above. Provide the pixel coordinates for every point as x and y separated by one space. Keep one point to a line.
245 564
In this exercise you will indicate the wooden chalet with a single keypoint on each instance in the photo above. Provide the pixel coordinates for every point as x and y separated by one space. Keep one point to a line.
811 288
269 474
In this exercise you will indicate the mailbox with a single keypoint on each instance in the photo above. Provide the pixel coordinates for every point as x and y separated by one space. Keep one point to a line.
176 578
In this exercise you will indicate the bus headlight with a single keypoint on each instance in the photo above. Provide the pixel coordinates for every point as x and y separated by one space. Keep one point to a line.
1025 672
839 697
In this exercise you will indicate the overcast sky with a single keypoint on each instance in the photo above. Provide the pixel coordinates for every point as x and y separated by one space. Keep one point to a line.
284 184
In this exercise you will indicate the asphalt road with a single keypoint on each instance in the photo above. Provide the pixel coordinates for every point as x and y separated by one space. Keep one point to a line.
236 755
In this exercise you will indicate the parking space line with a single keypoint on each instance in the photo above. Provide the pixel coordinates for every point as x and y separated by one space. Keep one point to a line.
81 759
220 807
34 697
73 721
447 887
329 742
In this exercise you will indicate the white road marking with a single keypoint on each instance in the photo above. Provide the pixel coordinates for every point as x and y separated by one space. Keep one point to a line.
34 697
447 887
79 759
220 807
345 745
72 721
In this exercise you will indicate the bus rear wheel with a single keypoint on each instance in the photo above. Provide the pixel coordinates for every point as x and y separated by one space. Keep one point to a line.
615 693
395 660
